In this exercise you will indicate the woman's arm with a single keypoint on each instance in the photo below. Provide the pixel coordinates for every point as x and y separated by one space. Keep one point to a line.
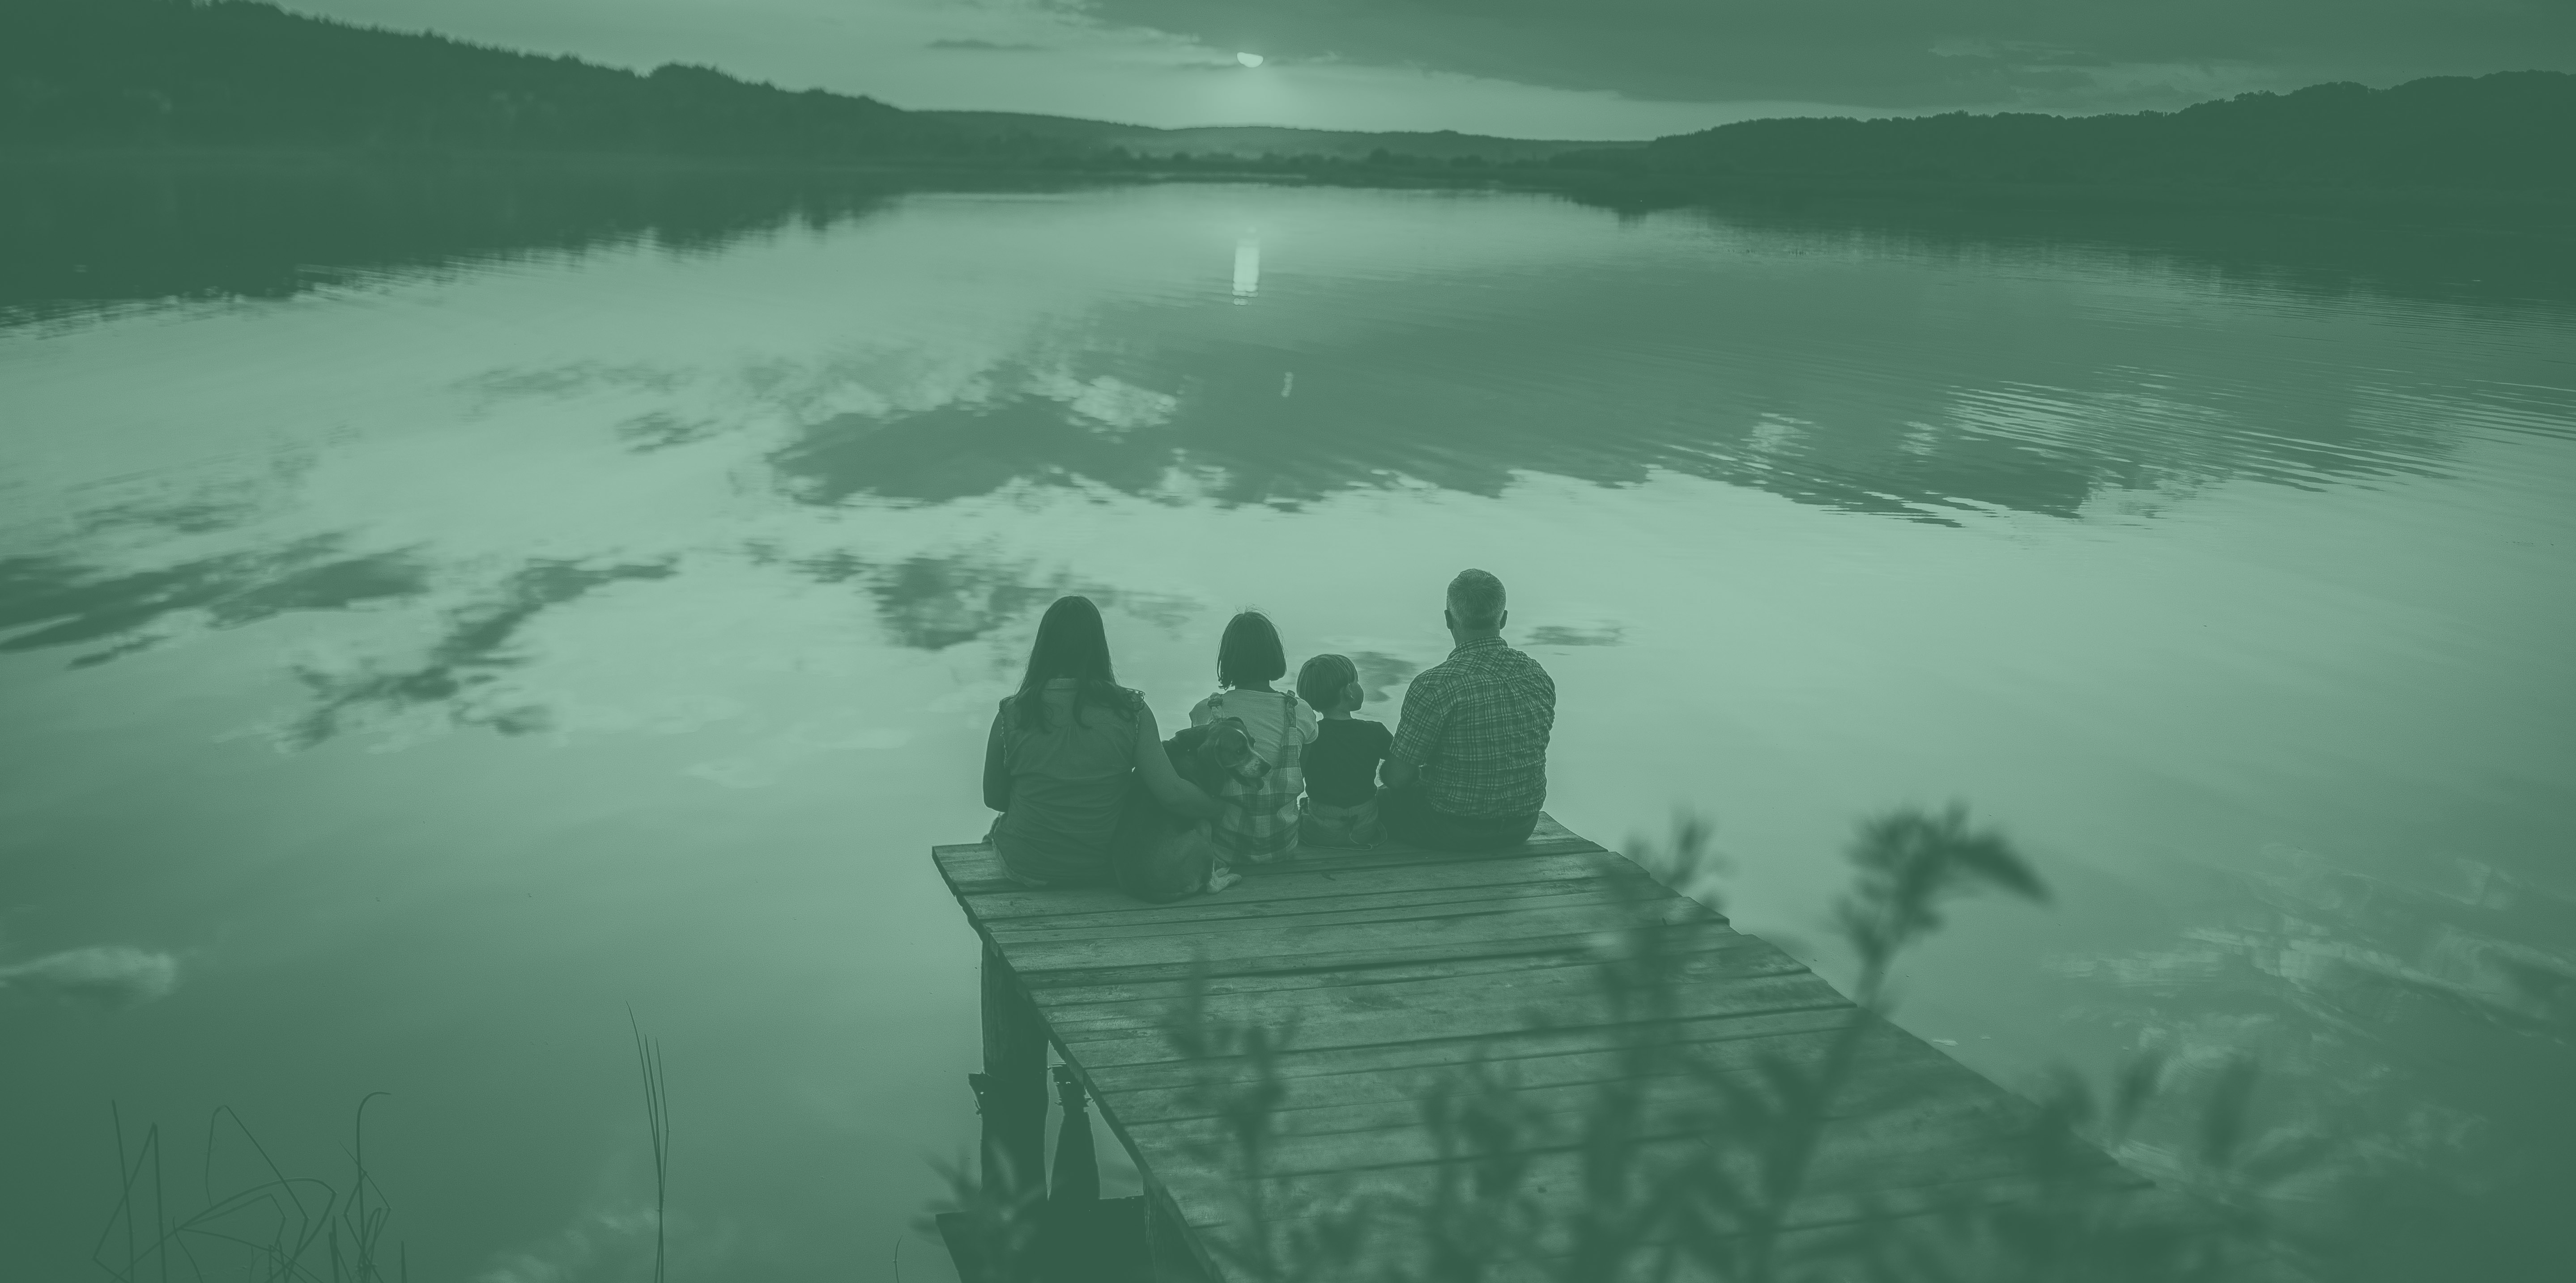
1154 766
997 763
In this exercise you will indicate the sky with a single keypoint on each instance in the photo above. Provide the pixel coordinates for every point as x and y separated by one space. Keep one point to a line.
1526 68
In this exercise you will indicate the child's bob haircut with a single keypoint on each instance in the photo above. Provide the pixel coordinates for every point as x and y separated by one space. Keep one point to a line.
1324 679
1250 651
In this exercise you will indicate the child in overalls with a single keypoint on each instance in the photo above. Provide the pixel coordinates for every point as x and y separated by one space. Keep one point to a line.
1259 823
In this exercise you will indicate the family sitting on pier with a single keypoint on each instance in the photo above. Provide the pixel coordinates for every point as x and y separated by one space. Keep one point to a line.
1261 772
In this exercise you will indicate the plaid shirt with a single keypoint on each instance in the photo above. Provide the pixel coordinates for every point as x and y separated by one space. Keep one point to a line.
1477 725
1259 823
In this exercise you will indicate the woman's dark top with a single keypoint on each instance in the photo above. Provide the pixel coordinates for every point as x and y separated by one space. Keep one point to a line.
1060 789
1341 765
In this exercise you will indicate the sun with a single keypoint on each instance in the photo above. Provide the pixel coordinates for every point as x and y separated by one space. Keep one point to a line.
1248 59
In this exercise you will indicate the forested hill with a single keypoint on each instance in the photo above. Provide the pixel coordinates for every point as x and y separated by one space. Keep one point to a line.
222 74
233 74
2510 131
169 72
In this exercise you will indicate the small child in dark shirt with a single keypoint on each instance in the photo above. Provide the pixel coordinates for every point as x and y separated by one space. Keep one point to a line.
1340 806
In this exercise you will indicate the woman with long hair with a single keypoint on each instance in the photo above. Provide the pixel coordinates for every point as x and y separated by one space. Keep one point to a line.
1066 753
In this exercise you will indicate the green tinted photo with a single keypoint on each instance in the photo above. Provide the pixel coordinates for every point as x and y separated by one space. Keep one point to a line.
1195 641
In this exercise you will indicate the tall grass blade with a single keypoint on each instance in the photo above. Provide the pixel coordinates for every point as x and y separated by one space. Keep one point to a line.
657 1122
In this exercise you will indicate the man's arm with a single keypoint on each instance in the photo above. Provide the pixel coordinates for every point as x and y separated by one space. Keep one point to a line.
1397 773
1417 732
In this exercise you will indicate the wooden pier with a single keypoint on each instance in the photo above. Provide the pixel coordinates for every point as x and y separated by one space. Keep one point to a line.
1395 966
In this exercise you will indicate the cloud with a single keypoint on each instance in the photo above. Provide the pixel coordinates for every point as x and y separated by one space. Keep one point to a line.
99 976
602 1244
1892 54
461 672
983 46
47 601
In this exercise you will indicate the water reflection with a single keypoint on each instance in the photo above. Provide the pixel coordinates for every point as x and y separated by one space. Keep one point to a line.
968 448
1381 673
464 663
1566 635
835 477
570 380
662 430
2428 1031
1614 379
1710 362
83 236
1247 269
939 601
58 602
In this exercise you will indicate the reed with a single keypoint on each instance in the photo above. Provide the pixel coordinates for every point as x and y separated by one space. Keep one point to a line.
657 1124
276 1229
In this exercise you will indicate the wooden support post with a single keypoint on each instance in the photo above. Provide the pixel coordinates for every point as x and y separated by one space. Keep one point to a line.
1167 1241
1013 1091
1077 1167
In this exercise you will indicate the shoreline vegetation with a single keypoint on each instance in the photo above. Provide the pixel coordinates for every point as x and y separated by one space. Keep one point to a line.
156 150
90 232
206 83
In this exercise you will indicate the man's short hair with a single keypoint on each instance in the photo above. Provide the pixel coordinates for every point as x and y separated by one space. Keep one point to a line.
1324 678
1476 600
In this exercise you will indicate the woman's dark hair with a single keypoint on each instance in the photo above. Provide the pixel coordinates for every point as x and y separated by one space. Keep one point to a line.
1250 651
1071 643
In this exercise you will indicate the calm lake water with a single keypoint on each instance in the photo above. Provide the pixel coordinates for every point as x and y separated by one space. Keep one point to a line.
405 674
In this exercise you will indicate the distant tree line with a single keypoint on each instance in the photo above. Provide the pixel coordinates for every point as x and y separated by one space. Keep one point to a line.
218 74
2510 131
227 73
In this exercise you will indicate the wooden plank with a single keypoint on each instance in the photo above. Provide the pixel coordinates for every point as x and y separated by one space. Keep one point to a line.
1323 1039
1921 1139
1882 1084
1394 1087
975 875
1210 1201
1069 990
977 864
1560 950
1501 1049
1464 1006
1335 911
1449 991
1283 892
1817 1227
1852 1168
1302 891
1457 935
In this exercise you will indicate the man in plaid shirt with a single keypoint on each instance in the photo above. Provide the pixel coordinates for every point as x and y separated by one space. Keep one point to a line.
1468 768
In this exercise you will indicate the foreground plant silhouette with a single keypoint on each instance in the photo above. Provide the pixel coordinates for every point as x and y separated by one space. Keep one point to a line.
657 1125
276 1229
1688 1166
